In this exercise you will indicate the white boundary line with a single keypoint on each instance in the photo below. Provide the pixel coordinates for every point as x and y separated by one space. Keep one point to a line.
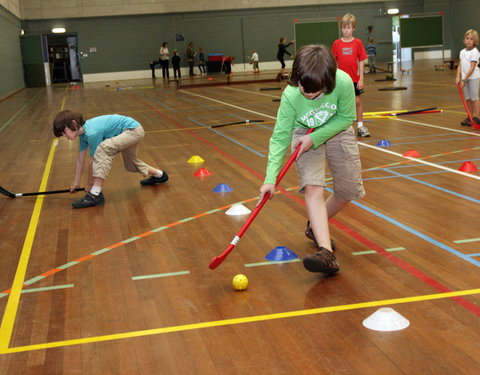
365 144
421 161
257 93
228 104
438 127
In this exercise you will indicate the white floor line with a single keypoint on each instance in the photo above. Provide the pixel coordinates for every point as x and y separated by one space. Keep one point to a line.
438 127
365 144
254 92
421 161
228 104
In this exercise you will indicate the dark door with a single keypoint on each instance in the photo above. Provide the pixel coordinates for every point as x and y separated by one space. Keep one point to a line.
33 60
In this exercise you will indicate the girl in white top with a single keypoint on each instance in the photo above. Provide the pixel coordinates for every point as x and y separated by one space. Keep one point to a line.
254 61
164 58
468 75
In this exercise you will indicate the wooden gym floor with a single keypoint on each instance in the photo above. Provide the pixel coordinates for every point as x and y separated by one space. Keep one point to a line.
126 288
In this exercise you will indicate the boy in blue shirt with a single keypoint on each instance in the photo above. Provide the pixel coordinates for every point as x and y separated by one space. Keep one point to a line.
105 136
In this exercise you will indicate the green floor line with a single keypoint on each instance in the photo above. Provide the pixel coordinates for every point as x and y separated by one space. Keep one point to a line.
467 240
160 275
44 289
19 111
374 252
270 263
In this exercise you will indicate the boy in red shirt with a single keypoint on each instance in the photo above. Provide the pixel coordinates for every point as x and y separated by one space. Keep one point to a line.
350 54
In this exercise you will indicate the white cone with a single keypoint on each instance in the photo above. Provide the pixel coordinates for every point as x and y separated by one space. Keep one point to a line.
386 319
237 209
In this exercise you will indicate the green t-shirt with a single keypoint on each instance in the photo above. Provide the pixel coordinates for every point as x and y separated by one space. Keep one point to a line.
328 114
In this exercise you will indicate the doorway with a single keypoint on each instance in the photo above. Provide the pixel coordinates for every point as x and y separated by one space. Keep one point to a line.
63 58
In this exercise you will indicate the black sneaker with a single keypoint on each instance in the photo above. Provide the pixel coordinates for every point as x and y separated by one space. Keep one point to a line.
476 120
152 180
90 200
309 234
322 261
466 122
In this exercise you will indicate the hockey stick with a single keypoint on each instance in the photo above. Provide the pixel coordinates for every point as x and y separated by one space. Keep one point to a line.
14 195
413 112
460 91
216 261
236 123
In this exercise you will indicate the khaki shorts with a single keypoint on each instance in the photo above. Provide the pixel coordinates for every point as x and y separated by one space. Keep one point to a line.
343 158
126 143
470 91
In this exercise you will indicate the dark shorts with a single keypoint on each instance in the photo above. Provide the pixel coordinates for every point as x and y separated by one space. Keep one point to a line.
357 91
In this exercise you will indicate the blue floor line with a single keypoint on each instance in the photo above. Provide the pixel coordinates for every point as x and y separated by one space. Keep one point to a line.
433 140
415 137
418 234
230 139
439 163
434 186
412 174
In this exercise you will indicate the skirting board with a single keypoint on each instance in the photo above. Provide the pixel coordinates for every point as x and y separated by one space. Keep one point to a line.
147 73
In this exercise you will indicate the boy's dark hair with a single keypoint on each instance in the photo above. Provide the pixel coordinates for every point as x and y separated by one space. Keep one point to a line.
314 67
64 119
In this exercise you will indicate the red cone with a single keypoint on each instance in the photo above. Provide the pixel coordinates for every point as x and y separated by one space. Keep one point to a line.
412 154
202 172
468 166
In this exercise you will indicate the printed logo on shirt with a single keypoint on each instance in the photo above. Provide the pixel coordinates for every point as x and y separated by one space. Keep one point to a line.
322 116
319 116
347 51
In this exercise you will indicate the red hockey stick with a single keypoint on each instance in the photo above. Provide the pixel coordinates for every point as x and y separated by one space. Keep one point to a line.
474 124
216 261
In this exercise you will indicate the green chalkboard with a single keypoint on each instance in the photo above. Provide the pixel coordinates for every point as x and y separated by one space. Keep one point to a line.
316 33
422 31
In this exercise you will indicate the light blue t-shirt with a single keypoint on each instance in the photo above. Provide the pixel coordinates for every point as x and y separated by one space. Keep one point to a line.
100 128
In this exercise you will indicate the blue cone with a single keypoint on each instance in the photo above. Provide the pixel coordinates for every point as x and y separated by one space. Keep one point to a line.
281 254
222 188
384 143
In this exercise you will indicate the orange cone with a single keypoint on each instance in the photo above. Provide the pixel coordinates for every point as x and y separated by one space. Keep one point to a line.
412 154
202 172
468 166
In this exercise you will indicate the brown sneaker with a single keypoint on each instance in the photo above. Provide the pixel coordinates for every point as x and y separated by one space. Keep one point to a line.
309 234
322 261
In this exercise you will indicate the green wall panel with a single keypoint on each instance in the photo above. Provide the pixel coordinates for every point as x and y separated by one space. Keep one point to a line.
11 78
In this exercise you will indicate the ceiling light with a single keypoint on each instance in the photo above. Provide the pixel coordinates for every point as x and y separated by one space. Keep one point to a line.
393 11
58 30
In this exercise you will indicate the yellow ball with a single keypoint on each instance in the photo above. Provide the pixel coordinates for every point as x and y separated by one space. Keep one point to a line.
240 282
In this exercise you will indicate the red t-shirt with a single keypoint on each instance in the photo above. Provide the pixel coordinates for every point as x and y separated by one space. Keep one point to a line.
348 54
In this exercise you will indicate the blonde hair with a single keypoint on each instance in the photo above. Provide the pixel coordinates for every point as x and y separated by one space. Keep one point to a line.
349 19
474 35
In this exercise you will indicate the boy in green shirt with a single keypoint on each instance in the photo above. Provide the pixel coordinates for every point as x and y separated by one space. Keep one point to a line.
320 97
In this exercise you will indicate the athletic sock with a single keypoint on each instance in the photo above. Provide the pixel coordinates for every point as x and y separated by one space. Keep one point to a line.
159 173
360 124
96 190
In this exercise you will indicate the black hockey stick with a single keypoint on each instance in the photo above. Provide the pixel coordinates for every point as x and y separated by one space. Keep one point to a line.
15 195
236 123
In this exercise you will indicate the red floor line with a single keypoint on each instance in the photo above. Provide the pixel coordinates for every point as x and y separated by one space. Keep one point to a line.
407 267
79 260
51 272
